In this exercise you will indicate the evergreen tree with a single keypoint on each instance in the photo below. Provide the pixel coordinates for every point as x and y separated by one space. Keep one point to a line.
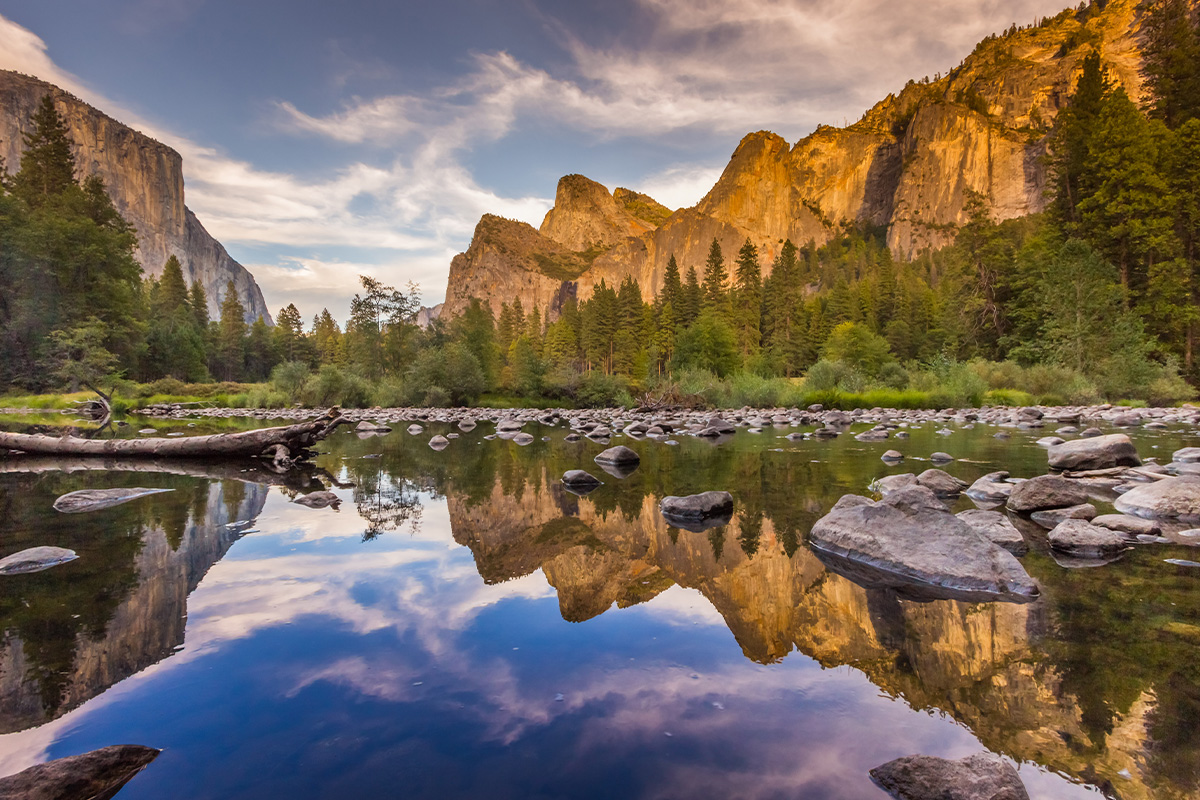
716 283
747 300
47 165
230 354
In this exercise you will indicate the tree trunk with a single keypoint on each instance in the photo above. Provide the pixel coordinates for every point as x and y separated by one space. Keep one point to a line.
295 438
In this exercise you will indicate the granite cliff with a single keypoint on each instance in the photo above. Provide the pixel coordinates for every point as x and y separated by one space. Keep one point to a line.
906 166
145 180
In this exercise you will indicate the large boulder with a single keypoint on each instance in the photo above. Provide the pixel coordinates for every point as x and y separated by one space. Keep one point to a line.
911 539
98 774
1100 452
1171 498
983 776
35 559
97 499
1046 491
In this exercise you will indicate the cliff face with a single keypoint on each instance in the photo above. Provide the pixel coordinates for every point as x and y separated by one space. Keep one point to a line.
145 180
906 165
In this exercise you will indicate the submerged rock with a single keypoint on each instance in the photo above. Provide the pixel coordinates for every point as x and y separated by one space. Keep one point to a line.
996 528
1046 491
1097 452
1170 498
99 774
35 559
618 455
97 499
697 506
318 500
983 776
911 539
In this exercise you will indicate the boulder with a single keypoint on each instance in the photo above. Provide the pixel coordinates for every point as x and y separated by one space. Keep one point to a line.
98 774
1045 491
318 500
1098 452
698 506
911 539
1050 517
1081 538
1171 498
996 528
618 455
97 499
983 776
35 559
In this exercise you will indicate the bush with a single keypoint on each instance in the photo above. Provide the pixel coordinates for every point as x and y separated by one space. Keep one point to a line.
332 386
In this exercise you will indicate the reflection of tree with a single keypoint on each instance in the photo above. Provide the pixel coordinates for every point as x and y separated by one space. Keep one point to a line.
386 503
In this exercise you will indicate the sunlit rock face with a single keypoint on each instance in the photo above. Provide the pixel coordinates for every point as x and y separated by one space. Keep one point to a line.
145 180
145 627
907 165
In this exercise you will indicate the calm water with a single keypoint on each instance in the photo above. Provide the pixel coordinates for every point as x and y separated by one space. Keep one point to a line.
463 627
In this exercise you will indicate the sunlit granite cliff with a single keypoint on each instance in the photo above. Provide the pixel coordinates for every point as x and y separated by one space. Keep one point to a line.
145 180
906 165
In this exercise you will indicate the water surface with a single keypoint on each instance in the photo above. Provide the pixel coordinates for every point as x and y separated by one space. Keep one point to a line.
464 627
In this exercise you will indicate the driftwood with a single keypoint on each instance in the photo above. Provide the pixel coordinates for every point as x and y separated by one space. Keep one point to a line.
282 445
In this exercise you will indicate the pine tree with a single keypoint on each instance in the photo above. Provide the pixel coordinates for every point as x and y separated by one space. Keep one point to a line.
747 300
47 165
231 337
716 283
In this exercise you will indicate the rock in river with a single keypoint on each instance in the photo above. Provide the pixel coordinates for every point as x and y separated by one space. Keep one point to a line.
97 499
35 559
911 540
983 776
98 774
1099 452
1081 538
1170 498
698 506
1046 491
318 500
618 455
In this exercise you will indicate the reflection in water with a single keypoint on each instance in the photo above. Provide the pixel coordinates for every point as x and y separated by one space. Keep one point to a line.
1095 680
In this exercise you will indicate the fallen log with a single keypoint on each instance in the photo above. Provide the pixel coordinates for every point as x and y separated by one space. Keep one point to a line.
283 445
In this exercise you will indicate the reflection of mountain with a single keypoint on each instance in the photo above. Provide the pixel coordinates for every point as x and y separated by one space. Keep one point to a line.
147 624
983 664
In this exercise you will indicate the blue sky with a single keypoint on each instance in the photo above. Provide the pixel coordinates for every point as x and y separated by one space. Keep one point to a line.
323 140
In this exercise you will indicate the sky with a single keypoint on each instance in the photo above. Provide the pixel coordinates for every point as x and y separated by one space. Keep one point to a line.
322 141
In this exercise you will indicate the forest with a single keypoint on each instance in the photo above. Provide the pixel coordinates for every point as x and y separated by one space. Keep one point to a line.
1097 298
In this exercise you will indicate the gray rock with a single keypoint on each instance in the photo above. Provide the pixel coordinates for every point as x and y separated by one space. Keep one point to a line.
983 776
991 488
441 442
943 484
698 506
97 499
1098 452
913 540
35 559
97 775
1081 538
1123 523
1170 498
318 500
1045 491
1050 517
996 528
618 455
